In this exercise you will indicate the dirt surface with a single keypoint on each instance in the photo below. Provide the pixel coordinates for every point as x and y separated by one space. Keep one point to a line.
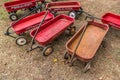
17 64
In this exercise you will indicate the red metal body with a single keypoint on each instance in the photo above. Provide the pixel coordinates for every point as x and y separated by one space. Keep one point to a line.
52 29
90 42
35 0
19 4
40 1
30 22
63 6
111 19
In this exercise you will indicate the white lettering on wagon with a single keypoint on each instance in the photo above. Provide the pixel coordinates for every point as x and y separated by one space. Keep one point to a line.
32 26
62 9
21 5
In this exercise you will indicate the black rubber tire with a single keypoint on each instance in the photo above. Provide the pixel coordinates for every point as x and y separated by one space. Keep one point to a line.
72 30
50 50
21 42
13 16
66 55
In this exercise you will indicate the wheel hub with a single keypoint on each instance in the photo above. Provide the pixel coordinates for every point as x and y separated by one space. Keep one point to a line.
72 14
48 51
14 17
21 41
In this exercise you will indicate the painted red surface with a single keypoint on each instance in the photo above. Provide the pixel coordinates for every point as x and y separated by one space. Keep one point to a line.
52 29
63 6
19 4
111 19
30 22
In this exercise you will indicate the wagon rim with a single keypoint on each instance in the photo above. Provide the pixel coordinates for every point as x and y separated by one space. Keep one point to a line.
21 40
47 50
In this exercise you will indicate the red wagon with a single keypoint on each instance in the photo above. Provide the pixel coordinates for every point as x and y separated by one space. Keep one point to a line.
74 8
89 43
13 6
26 24
112 20
50 30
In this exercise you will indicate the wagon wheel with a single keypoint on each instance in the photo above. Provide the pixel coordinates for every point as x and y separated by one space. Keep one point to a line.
73 14
21 40
47 50
87 67
13 16
72 30
66 55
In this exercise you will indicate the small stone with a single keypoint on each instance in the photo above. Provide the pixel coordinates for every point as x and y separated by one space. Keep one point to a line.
100 78
5 64
55 60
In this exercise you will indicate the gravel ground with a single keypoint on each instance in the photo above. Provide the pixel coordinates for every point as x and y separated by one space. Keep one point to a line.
17 64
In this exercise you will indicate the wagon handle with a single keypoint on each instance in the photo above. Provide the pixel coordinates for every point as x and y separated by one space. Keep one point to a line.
7 31
32 41
90 16
84 29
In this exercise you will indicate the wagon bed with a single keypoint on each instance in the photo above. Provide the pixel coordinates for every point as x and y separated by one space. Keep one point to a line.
52 29
112 20
30 22
19 4
90 42
63 5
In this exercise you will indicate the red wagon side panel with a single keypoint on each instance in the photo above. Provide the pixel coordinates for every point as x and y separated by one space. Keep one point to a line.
63 6
53 28
112 20
19 4
29 0
40 1
30 22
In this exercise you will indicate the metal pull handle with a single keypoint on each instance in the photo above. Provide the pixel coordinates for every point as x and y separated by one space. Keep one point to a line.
89 17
